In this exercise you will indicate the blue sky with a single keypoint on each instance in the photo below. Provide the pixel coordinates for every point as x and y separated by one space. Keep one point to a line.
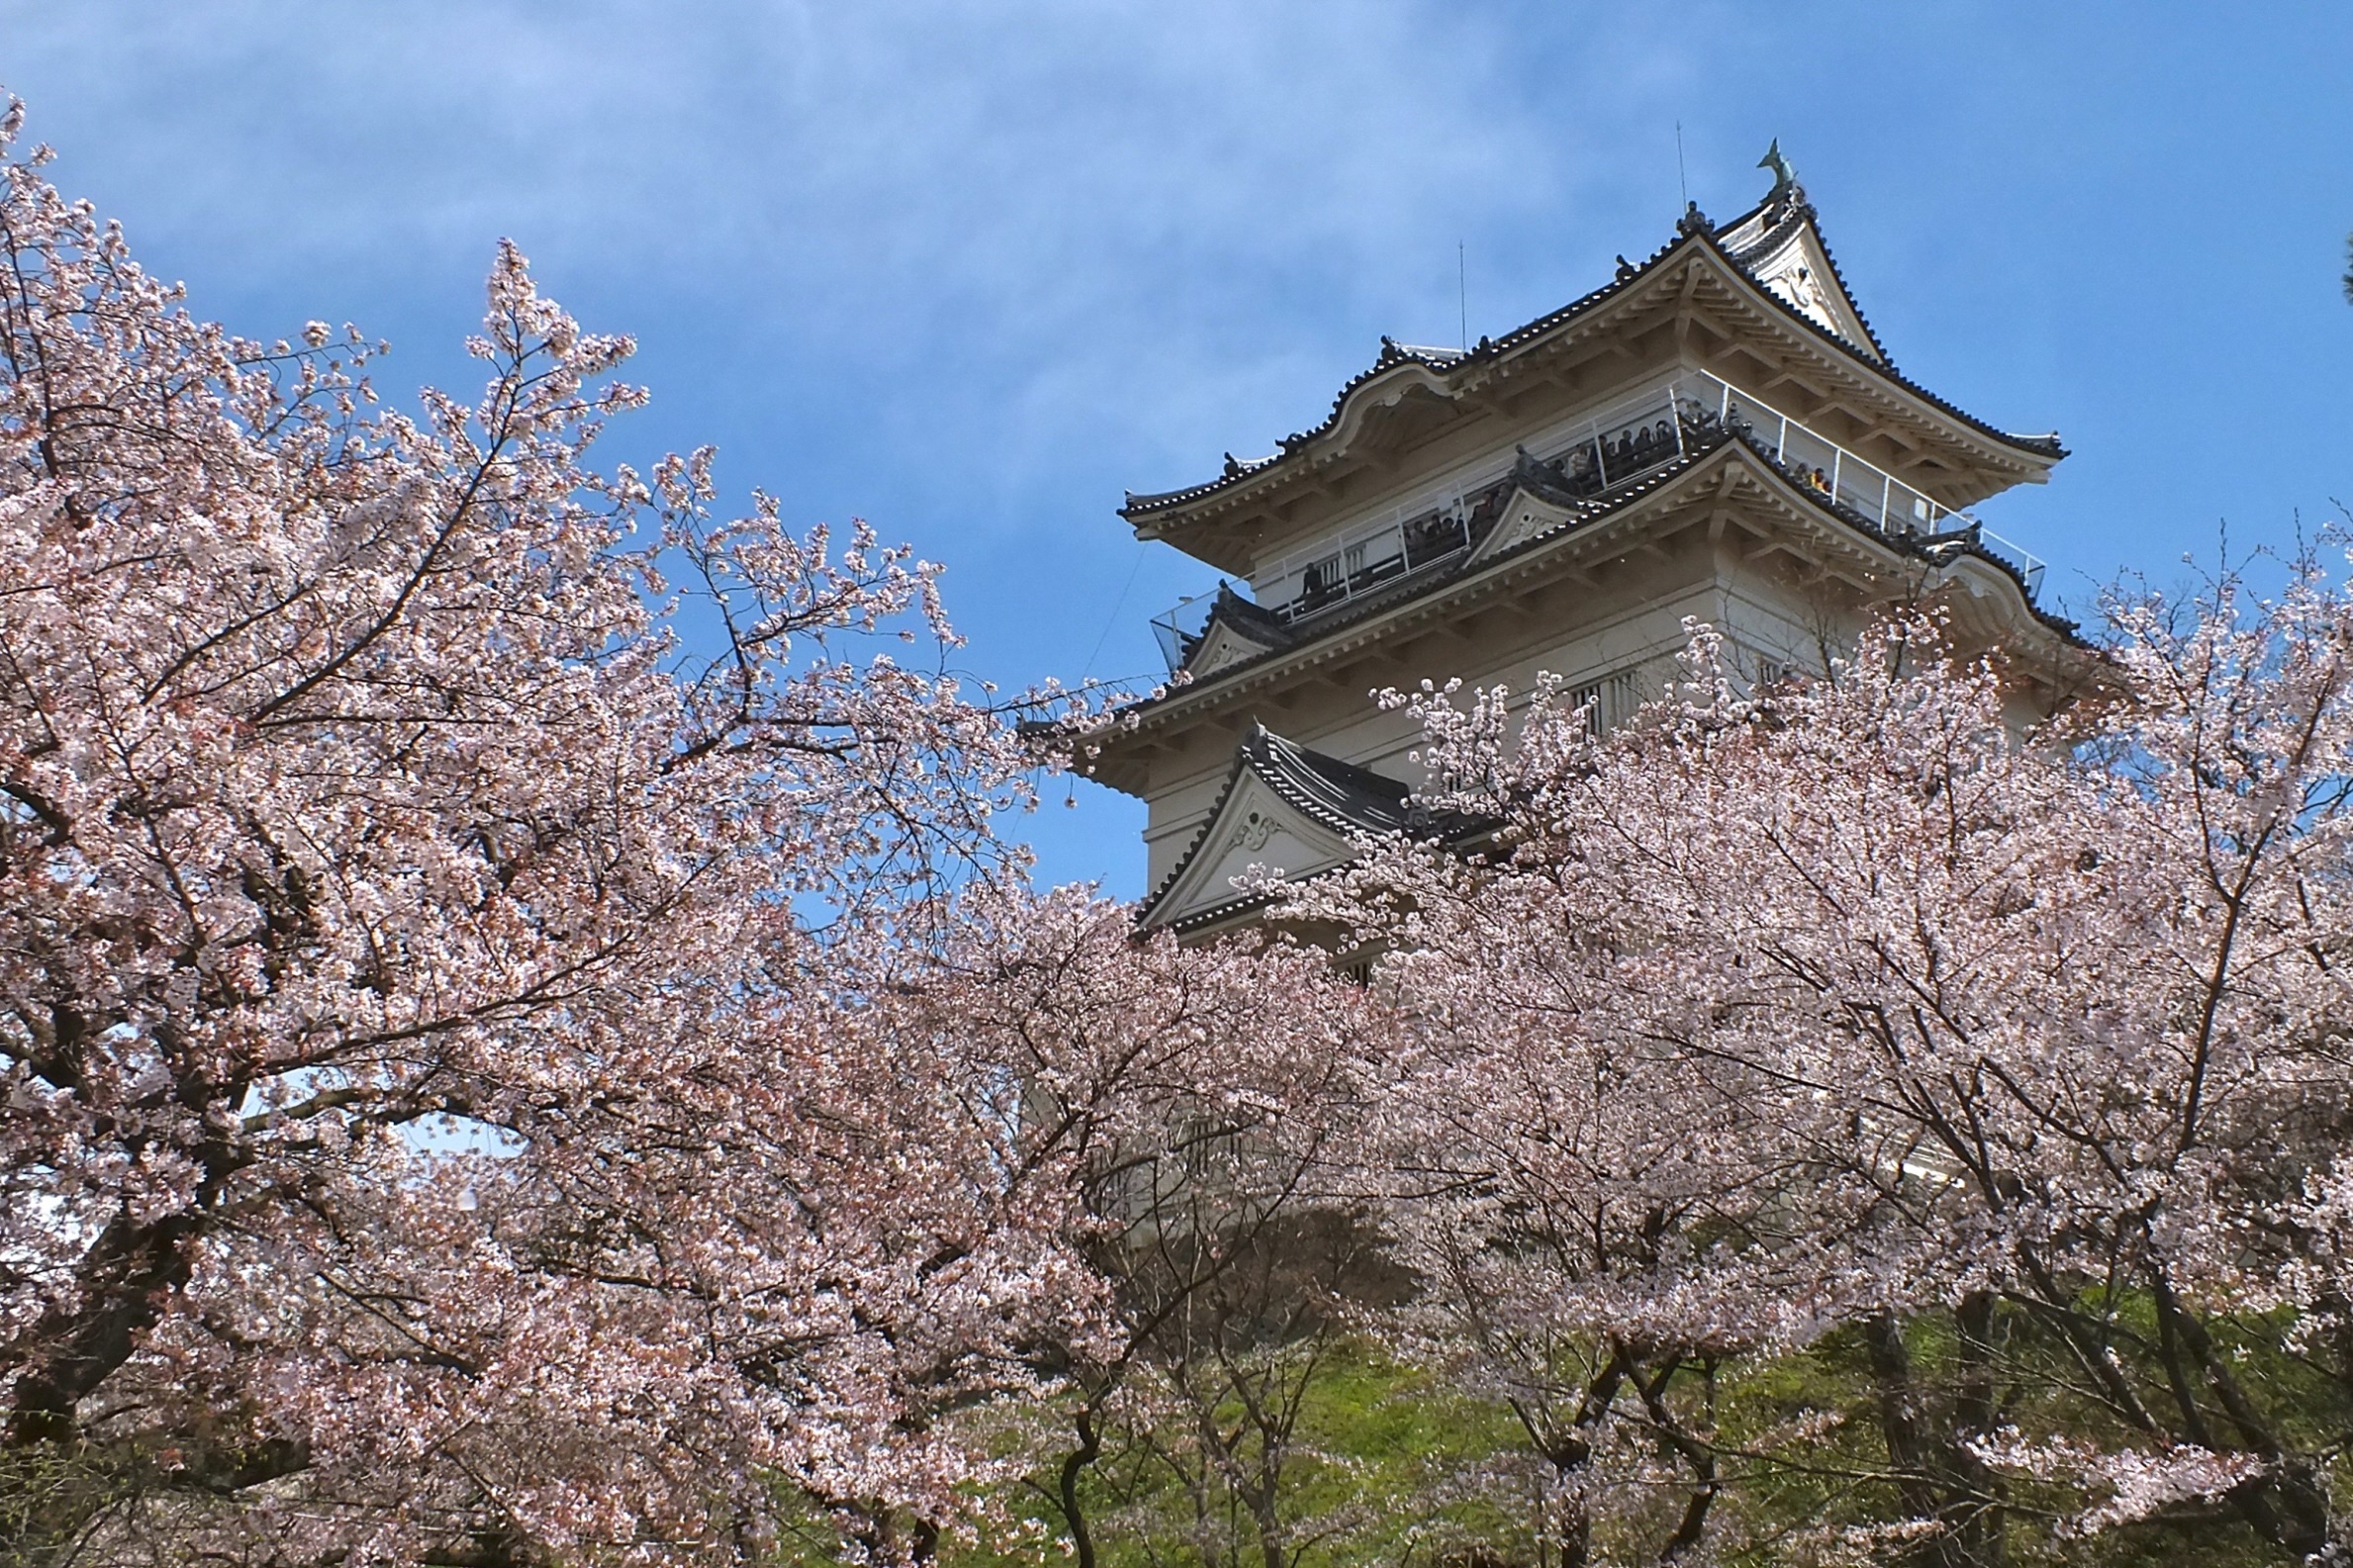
970 270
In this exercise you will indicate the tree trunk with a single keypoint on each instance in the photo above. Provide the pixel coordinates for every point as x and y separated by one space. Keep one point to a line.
1931 1481
1572 1529
2287 1502
1979 1533
128 1272
1074 1467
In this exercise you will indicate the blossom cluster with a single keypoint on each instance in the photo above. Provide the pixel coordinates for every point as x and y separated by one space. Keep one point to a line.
1855 1017
509 980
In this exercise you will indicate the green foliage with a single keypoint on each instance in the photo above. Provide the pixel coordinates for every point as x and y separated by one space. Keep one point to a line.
1392 1465
1378 1449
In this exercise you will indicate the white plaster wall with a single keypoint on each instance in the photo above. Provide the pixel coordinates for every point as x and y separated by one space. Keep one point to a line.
1637 623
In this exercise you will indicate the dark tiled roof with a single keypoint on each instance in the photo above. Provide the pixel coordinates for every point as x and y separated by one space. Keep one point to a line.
1544 481
1350 800
1802 210
1393 355
1445 361
1251 619
1415 583
1935 550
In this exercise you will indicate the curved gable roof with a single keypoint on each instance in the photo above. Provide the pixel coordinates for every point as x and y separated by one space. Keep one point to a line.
1335 802
1774 224
1761 232
1675 476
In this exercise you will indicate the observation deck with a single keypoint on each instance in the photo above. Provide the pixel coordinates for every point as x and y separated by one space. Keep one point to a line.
1607 452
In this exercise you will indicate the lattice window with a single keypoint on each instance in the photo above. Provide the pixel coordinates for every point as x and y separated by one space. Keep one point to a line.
1588 701
1620 697
1607 702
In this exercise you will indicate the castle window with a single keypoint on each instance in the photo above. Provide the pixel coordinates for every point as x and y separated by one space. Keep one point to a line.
1587 700
1607 702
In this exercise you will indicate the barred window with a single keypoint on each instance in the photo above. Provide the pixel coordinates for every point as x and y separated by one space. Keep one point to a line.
1588 701
1607 702
1621 698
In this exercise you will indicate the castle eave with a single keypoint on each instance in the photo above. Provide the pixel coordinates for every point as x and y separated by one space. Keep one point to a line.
1668 499
1455 381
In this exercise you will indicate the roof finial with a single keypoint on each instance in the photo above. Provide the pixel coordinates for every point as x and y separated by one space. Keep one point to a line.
1785 178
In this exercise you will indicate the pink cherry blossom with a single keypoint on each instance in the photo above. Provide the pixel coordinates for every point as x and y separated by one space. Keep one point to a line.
461 1098
1847 1007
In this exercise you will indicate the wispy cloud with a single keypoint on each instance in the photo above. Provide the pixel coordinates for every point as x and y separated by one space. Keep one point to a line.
1118 195
972 267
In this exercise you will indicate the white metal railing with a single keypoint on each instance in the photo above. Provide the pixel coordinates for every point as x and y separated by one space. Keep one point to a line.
1884 501
1181 625
1602 452
1335 570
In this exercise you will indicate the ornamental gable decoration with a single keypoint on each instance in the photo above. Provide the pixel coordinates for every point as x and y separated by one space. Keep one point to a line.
1716 437
1237 632
1253 828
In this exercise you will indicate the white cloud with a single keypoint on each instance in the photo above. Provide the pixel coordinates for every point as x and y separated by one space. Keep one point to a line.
1157 202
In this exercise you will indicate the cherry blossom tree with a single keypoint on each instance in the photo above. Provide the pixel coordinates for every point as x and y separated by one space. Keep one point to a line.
1549 1176
451 1112
1192 1099
1842 1019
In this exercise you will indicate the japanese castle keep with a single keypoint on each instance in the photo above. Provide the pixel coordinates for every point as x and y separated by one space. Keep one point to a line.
1716 433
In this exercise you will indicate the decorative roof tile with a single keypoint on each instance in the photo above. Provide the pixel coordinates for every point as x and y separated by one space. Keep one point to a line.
1252 620
1781 215
1935 550
1340 796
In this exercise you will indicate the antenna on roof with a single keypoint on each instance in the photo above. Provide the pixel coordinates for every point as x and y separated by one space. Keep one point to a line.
1463 290
1682 180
